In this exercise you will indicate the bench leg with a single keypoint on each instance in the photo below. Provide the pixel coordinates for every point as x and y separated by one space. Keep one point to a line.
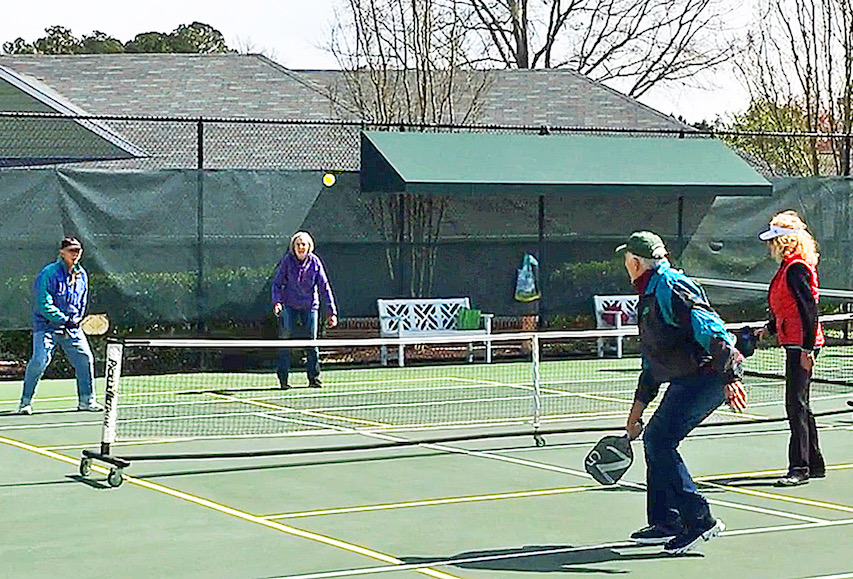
488 351
383 355
600 347
400 350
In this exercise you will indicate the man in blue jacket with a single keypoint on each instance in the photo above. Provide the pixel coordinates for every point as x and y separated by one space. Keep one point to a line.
61 295
682 342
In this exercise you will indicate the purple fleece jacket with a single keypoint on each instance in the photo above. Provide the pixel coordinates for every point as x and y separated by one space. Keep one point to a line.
299 284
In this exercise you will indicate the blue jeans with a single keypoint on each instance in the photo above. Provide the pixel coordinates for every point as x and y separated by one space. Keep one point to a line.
287 329
76 347
687 402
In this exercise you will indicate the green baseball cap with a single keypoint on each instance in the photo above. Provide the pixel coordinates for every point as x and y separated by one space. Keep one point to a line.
644 244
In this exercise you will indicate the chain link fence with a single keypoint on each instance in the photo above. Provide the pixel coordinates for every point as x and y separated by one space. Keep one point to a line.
154 143
184 220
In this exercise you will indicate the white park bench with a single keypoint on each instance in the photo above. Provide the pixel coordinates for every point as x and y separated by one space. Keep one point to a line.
614 312
404 318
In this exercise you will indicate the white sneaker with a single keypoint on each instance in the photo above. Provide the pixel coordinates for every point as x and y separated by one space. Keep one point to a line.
25 409
93 407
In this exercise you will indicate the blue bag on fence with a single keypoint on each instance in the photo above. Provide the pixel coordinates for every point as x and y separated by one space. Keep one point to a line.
527 281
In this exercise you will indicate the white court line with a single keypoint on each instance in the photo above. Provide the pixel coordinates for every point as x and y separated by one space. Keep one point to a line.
14 402
431 502
779 497
782 528
314 394
305 412
50 425
553 468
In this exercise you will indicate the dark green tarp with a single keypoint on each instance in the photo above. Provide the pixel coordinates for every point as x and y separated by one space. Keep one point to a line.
587 165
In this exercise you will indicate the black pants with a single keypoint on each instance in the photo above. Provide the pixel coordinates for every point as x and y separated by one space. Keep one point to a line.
804 455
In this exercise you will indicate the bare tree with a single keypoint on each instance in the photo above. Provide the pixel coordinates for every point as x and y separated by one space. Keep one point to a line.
799 72
409 62
637 44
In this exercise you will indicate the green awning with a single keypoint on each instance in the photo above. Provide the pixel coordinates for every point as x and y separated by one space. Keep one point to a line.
583 165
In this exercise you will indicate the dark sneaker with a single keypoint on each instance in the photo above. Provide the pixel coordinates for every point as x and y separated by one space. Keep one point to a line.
793 479
655 534
285 386
817 468
700 531
315 383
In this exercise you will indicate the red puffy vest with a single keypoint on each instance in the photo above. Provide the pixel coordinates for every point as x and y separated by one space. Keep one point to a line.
789 326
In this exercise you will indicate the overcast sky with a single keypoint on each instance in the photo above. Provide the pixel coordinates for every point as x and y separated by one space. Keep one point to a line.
291 32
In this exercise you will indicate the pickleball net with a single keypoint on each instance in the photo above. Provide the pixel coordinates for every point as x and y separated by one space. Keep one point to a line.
165 390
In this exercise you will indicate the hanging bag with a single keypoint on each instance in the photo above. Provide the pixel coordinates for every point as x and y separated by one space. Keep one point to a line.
527 281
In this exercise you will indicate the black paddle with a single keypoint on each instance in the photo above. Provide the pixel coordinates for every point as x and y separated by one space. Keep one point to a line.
609 459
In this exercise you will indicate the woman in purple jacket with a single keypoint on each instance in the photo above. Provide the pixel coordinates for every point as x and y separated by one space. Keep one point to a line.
300 279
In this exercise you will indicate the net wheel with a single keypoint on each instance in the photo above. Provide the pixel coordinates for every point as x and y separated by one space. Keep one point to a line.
115 477
539 439
85 466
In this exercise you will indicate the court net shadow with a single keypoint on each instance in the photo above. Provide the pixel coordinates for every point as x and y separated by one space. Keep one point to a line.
552 558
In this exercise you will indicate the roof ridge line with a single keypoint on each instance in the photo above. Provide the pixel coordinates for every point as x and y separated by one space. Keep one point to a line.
293 74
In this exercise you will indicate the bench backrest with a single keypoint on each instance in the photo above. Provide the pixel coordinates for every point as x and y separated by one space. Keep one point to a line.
607 308
419 314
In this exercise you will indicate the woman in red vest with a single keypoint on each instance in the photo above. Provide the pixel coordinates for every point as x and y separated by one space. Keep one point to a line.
793 299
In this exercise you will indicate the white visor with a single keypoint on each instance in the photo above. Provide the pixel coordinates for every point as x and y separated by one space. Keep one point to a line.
775 231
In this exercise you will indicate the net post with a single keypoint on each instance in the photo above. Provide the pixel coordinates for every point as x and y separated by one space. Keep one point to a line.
537 395
113 375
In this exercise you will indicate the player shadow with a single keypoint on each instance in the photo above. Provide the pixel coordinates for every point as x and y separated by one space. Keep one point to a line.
226 391
552 558
229 391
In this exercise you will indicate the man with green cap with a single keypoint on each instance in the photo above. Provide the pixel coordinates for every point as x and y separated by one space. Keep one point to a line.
683 342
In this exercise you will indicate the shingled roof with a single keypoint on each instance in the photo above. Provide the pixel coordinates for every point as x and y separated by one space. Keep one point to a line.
252 87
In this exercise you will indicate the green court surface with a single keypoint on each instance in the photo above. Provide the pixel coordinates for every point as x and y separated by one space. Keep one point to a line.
468 509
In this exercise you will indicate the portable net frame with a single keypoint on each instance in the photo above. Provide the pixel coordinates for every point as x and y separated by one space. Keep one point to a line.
161 391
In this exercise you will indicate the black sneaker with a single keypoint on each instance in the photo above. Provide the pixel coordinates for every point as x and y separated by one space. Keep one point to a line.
817 468
315 383
655 534
793 479
285 386
701 531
